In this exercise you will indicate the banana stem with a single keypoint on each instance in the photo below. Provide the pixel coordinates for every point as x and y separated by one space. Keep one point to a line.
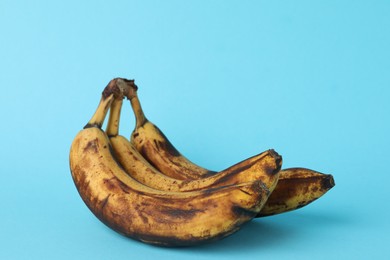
116 89
114 118
140 118
101 112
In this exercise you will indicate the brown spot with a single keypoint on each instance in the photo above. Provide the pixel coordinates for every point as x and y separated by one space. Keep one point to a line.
315 189
181 213
138 209
167 145
284 190
110 184
240 212
104 202
169 148
92 145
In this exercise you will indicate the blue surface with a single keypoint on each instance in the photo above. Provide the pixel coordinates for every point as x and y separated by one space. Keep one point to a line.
224 80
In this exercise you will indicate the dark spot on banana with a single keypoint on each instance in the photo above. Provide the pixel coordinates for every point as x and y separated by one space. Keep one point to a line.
143 151
104 202
181 213
138 209
92 145
282 191
167 146
240 212
135 135
110 184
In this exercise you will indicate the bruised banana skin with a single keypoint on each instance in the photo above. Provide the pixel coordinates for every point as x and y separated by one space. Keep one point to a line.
152 216
264 167
296 187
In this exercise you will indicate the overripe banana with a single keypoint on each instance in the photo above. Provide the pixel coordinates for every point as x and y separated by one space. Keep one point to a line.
146 214
264 167
296 188
151 142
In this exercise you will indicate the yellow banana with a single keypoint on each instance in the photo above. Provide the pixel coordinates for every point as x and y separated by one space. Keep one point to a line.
264 167
295 189
146 214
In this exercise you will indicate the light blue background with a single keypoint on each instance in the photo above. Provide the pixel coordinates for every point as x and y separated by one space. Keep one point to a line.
224 80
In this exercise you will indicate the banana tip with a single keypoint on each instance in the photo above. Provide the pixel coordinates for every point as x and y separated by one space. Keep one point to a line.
329 182
278 160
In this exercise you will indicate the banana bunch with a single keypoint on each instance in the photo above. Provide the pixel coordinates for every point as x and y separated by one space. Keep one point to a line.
145 189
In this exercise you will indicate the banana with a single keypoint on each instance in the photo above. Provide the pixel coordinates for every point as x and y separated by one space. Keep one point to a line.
296 187
146 214
151 142
264 167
